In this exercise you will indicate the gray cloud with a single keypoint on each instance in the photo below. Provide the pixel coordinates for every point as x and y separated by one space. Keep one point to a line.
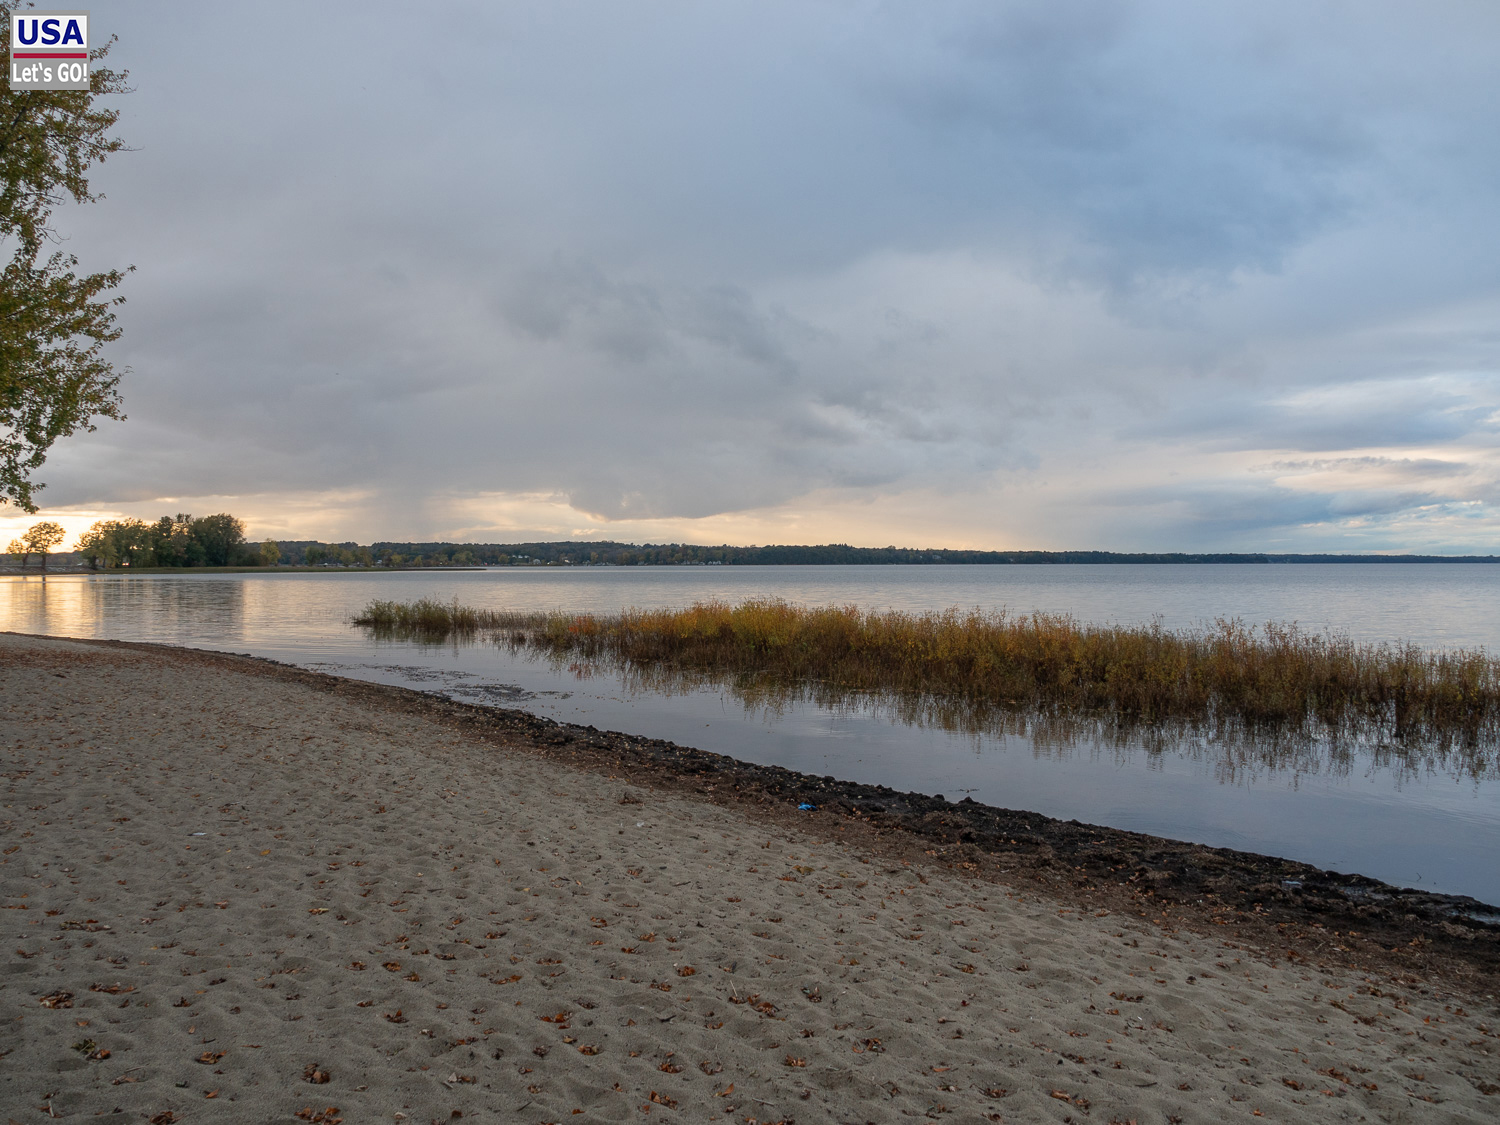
674 261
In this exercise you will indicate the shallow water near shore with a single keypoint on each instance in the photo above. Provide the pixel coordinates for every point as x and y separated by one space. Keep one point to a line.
1428 821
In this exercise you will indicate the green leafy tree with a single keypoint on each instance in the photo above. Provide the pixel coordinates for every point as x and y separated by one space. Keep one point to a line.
270 553
315 554
115 543
19 551
220 536
175 543
54 322
42 537
93 546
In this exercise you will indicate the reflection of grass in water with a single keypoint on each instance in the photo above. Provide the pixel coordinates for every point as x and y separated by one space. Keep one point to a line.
1282 694
1237 751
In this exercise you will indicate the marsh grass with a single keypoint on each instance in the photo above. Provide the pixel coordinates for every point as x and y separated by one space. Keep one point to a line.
973 670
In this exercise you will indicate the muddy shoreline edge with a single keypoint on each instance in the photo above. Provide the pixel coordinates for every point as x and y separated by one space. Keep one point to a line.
1285 909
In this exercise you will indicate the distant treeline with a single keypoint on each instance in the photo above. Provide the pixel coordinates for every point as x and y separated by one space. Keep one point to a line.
685 554
180 540
219 540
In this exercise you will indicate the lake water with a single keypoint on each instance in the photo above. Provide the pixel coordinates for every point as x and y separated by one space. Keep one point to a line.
1428 823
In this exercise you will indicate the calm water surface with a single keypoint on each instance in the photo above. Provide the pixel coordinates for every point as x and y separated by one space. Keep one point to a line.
1430 825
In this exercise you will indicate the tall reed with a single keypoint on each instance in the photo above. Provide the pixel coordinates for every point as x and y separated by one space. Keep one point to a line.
1275 674
424 618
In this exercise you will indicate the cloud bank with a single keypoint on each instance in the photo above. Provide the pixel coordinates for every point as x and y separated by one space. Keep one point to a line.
1056 274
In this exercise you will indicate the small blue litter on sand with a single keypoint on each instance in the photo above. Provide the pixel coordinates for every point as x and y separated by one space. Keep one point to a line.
804 805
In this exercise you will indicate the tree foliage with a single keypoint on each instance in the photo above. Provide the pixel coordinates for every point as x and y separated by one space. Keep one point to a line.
40 538
54 321
180 540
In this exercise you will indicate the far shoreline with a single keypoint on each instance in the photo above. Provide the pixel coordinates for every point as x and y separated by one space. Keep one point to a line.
1112 561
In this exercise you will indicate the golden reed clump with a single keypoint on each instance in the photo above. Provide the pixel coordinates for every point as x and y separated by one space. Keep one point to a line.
1276 674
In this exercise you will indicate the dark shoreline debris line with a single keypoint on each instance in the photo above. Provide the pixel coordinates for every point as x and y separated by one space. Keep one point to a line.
984 672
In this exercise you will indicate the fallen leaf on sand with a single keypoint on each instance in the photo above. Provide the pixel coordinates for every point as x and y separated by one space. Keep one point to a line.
209 1058
315 1074
56 1000
725 1092
662 1099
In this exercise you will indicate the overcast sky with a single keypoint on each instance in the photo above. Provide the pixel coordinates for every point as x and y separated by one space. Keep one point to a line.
1122 275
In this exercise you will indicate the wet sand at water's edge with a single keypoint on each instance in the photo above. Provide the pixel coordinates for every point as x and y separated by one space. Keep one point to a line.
239 892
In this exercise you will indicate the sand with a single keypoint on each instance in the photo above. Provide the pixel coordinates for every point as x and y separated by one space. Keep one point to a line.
230 897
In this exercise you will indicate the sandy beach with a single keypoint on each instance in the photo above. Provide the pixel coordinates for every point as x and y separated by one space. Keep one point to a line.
232 896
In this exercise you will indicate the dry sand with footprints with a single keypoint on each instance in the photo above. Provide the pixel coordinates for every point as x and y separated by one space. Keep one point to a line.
231 897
